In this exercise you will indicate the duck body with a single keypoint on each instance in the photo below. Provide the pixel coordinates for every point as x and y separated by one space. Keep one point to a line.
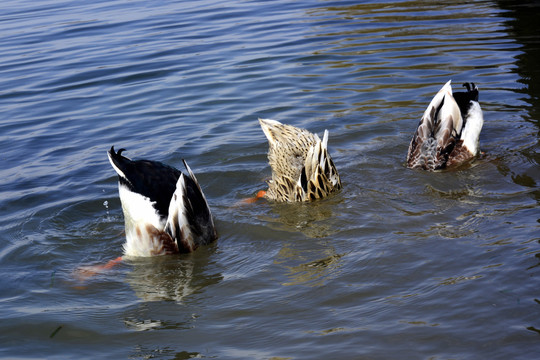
448 133
302 169
165 211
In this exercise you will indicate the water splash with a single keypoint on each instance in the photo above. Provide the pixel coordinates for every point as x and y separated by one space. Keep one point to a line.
106 204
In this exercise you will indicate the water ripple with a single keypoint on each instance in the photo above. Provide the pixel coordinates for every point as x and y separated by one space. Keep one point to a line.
437 261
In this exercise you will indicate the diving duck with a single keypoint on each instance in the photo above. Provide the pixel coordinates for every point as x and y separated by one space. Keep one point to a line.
165 211
302 169
449 131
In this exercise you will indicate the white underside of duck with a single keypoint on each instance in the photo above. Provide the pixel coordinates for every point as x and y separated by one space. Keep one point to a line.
448 133
142 224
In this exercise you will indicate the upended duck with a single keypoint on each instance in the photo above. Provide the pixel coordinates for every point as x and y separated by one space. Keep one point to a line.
302 169
448 133
165 211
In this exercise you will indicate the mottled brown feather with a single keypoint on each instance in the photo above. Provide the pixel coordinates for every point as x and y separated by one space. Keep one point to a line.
302 169
436 143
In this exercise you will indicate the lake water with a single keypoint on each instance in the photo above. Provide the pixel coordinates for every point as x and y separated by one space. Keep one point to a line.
401 264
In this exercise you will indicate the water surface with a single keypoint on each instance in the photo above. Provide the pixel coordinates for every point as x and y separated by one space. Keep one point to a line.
401 264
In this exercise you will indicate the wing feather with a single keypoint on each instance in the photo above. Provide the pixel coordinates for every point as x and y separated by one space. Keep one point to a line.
190 221
437 132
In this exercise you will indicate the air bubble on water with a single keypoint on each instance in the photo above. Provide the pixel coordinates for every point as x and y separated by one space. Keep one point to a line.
106 204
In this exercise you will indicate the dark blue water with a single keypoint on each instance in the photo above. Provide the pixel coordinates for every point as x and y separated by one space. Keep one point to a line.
401 264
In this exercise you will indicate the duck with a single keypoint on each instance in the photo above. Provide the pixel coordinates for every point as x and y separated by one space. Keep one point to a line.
302 169
448 134
165 210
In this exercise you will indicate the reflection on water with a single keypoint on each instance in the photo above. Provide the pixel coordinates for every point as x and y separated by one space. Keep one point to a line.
459 279
150 352
313 267
169 278
537 258
314 220
308 257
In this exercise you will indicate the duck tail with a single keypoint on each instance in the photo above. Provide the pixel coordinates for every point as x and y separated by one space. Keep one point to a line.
319 175
190 221
118 161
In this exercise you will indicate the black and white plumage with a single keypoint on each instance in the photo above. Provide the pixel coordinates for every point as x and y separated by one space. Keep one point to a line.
448 133
165 211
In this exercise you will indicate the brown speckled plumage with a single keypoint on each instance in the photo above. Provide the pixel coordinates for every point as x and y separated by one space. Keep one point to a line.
449 130
302 169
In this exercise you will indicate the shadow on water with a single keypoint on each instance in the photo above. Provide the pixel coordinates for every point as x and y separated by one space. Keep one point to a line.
522 22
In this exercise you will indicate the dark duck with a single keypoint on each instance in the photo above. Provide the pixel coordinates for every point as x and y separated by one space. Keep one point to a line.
448 133
165 211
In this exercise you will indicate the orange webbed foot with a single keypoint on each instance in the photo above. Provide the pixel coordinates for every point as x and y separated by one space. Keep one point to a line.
251 200
86 272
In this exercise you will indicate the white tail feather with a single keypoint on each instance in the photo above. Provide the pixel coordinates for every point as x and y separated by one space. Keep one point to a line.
473 127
